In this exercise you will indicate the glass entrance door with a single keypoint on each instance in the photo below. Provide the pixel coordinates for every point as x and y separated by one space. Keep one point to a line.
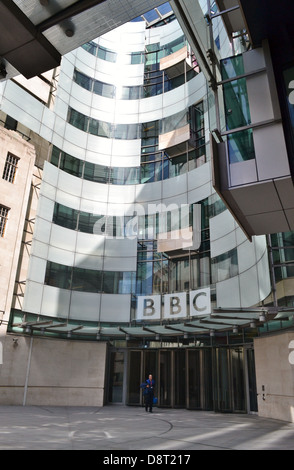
219 379
180 379
116 376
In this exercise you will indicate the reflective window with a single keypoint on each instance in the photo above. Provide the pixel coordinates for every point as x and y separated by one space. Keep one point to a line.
58 275
104 89
71 165
89 280
65 216
83 80
127 131
97 173
86 280
77 119
224 266
106 54
241 146
91 47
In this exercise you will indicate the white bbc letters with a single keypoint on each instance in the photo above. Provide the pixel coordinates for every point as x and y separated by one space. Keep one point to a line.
200 302
148 307
174 305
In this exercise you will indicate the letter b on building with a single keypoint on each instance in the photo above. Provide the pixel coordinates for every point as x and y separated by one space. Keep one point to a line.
148 307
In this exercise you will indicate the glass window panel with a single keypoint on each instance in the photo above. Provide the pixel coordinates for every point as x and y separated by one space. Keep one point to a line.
97 173
137 57
157 277
91 47
55 156
236 104
103 89
151 58
83 80
150 131
58 275
158 171
71 165
164 9
127 284
104 129
117 175
116 282
132 175
106 54
77 119
86 280
232 67
224 266
128 92
173 122
147 173
127 131
144 278
3 219
98 87
165 169
176 82
241 146
87 222
93 126
178 165
65 216
179 275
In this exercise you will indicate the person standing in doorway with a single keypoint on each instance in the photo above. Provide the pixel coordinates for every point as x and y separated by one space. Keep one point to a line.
149 390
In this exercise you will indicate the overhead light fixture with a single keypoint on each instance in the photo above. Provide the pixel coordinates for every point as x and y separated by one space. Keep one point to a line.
69 32
252 324
235 329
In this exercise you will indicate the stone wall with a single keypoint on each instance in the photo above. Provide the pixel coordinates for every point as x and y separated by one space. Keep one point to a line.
52 372
274 360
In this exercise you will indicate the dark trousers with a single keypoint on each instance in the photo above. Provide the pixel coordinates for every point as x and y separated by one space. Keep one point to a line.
149 401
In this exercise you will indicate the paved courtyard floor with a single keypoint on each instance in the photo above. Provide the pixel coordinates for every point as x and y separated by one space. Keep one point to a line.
127 428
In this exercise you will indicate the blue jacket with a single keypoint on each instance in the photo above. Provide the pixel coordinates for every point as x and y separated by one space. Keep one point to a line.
151 384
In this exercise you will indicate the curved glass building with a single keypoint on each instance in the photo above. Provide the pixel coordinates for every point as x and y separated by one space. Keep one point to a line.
138 251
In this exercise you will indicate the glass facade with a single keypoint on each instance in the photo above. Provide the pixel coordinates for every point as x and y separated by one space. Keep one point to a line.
104 238
156 165
89 280
240 143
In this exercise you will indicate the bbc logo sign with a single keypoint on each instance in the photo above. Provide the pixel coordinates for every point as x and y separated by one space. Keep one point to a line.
176 305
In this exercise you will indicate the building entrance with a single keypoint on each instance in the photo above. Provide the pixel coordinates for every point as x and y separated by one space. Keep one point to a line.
219 379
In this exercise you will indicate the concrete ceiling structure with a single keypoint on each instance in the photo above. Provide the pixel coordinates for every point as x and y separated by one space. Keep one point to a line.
35 34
